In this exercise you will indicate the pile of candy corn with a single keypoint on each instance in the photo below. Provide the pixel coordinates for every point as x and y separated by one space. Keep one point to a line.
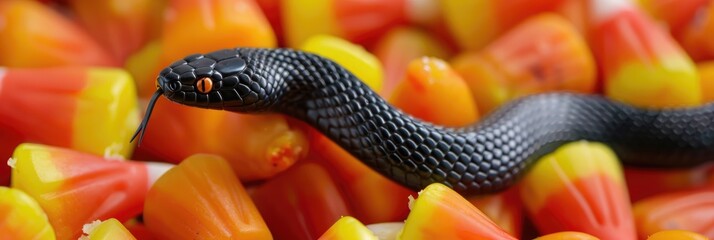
75 76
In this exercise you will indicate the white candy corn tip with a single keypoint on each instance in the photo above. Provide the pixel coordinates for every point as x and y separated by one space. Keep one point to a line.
88 228
603 9
11 162
386 231
155 170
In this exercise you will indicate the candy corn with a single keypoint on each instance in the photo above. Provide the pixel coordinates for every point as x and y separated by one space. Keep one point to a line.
202 198
675 15
267 144
647 182
75 188
21 217
399 47
441 213
110 229
474 24
544 53
120 26
641 63
691 210
579 187
88 109
423 90
302 203
348 228
33 35
356 59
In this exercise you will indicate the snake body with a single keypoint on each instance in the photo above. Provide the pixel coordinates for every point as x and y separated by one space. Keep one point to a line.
483 158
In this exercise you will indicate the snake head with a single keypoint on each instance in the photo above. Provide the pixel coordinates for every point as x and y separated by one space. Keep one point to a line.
217 80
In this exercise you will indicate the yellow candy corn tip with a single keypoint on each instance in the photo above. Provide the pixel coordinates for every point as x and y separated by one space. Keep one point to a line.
24 218
676 235
571 161
354 58
349 228
34 170
109 229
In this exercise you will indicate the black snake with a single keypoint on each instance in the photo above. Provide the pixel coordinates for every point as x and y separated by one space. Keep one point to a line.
484 158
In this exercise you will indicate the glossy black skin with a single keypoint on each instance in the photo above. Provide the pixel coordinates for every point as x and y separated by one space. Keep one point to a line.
484 158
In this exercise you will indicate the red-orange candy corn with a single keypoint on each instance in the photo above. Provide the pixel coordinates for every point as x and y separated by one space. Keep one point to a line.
568 235
647 182
441 213
706 78
697 35
676 15
691 210
88 109
75 188
302 203
202 198
544 53
120 26
579 187
641 64
256 146
34 35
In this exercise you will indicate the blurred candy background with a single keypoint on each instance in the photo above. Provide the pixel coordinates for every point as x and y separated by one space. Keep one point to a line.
75 76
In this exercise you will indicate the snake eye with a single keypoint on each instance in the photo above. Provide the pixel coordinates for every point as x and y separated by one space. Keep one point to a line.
204 85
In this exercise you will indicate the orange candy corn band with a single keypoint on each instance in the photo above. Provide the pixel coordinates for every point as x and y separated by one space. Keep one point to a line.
202 198
21 217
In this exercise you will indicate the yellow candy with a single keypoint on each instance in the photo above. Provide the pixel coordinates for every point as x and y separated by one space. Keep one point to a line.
110 99
142 66
21 217
348 228
356 59
676 235
110 229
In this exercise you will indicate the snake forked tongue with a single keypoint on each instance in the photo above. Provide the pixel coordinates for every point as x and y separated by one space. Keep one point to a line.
147 115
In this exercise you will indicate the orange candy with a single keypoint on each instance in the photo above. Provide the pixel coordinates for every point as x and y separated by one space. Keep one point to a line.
505 209
567 236
120 26
441 213
33 35
423 93
302 203
202 198
647 182
75 188
399 47
256 146
691 210
348 228
544 53
579 187
696 37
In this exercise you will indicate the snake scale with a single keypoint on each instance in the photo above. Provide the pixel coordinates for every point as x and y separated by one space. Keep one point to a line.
487 157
